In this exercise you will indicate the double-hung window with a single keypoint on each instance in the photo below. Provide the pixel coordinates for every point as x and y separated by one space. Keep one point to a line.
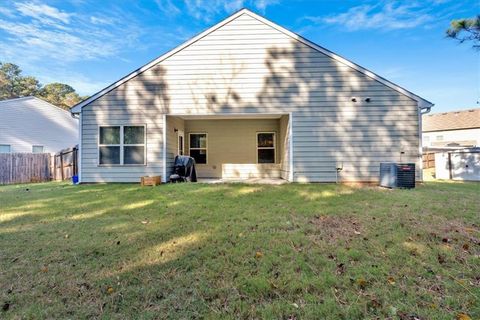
266 147
121 145
198 147
37 149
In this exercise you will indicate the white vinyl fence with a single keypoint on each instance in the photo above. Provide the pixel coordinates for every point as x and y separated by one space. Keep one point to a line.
458 165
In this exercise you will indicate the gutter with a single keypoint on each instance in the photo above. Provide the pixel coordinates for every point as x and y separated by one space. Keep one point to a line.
423 108
426 109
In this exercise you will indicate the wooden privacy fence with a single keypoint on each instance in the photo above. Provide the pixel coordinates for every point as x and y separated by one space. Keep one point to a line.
38 167
65 164
428 160
24 167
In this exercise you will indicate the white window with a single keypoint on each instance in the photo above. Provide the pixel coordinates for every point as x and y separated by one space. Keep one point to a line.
266 147
5 148
198 147
37 149
426 140
121 145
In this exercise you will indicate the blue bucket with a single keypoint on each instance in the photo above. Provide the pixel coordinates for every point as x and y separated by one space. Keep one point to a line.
75 179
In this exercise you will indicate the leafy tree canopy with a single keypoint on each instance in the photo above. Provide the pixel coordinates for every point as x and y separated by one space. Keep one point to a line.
466 30
14 85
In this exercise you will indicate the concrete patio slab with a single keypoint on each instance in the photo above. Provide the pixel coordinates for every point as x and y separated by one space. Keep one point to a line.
271 181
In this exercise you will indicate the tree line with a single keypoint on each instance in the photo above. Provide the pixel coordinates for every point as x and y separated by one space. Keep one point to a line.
13 84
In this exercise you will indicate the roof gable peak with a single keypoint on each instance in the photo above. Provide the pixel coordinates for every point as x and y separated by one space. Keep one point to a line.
423 103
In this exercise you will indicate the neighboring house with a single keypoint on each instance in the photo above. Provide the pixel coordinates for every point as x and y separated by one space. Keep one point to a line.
32 125
451 130
248 98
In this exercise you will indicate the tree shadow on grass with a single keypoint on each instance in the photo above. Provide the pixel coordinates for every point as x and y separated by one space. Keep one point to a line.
191 250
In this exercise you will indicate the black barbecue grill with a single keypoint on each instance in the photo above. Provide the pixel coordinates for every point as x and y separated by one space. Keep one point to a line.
184 170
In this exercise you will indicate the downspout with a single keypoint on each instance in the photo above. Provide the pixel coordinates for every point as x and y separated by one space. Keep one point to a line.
164 147
423 108
78 116
291 176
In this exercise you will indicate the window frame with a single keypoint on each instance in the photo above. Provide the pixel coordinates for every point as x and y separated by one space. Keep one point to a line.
122 145
7 145
267 148
206 146
180 134
38 145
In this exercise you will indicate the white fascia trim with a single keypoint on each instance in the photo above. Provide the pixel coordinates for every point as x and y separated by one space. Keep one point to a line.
233 114
77 108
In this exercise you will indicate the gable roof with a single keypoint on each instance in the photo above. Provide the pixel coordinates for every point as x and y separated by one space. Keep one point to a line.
25 100
455 120
423 103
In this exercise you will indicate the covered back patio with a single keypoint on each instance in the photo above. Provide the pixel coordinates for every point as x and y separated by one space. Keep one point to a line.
243 147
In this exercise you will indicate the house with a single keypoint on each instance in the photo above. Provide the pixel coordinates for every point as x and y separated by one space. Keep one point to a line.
451 130
248 98
30 124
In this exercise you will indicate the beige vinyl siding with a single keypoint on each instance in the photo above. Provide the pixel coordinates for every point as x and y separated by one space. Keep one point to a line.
247 66
232 141
247 171
284 144
172 141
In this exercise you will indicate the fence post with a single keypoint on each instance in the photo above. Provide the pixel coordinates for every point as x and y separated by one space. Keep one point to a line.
61 165
450 166
74 160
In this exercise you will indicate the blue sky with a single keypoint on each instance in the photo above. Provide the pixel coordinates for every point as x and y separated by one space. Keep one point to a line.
90 44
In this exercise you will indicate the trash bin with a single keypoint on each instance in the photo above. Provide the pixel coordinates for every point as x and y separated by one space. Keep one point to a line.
75 179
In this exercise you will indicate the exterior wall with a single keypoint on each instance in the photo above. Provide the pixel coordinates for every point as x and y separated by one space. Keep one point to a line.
247 66
231 141
29 121
247 171
93 117
172 141
466 136
284 144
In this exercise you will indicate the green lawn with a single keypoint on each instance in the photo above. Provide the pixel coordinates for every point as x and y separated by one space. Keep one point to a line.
239 251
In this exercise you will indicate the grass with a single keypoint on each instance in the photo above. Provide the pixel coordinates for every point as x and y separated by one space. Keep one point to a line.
239 251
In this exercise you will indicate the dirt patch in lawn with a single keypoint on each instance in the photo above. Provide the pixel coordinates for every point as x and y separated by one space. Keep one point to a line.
335 229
